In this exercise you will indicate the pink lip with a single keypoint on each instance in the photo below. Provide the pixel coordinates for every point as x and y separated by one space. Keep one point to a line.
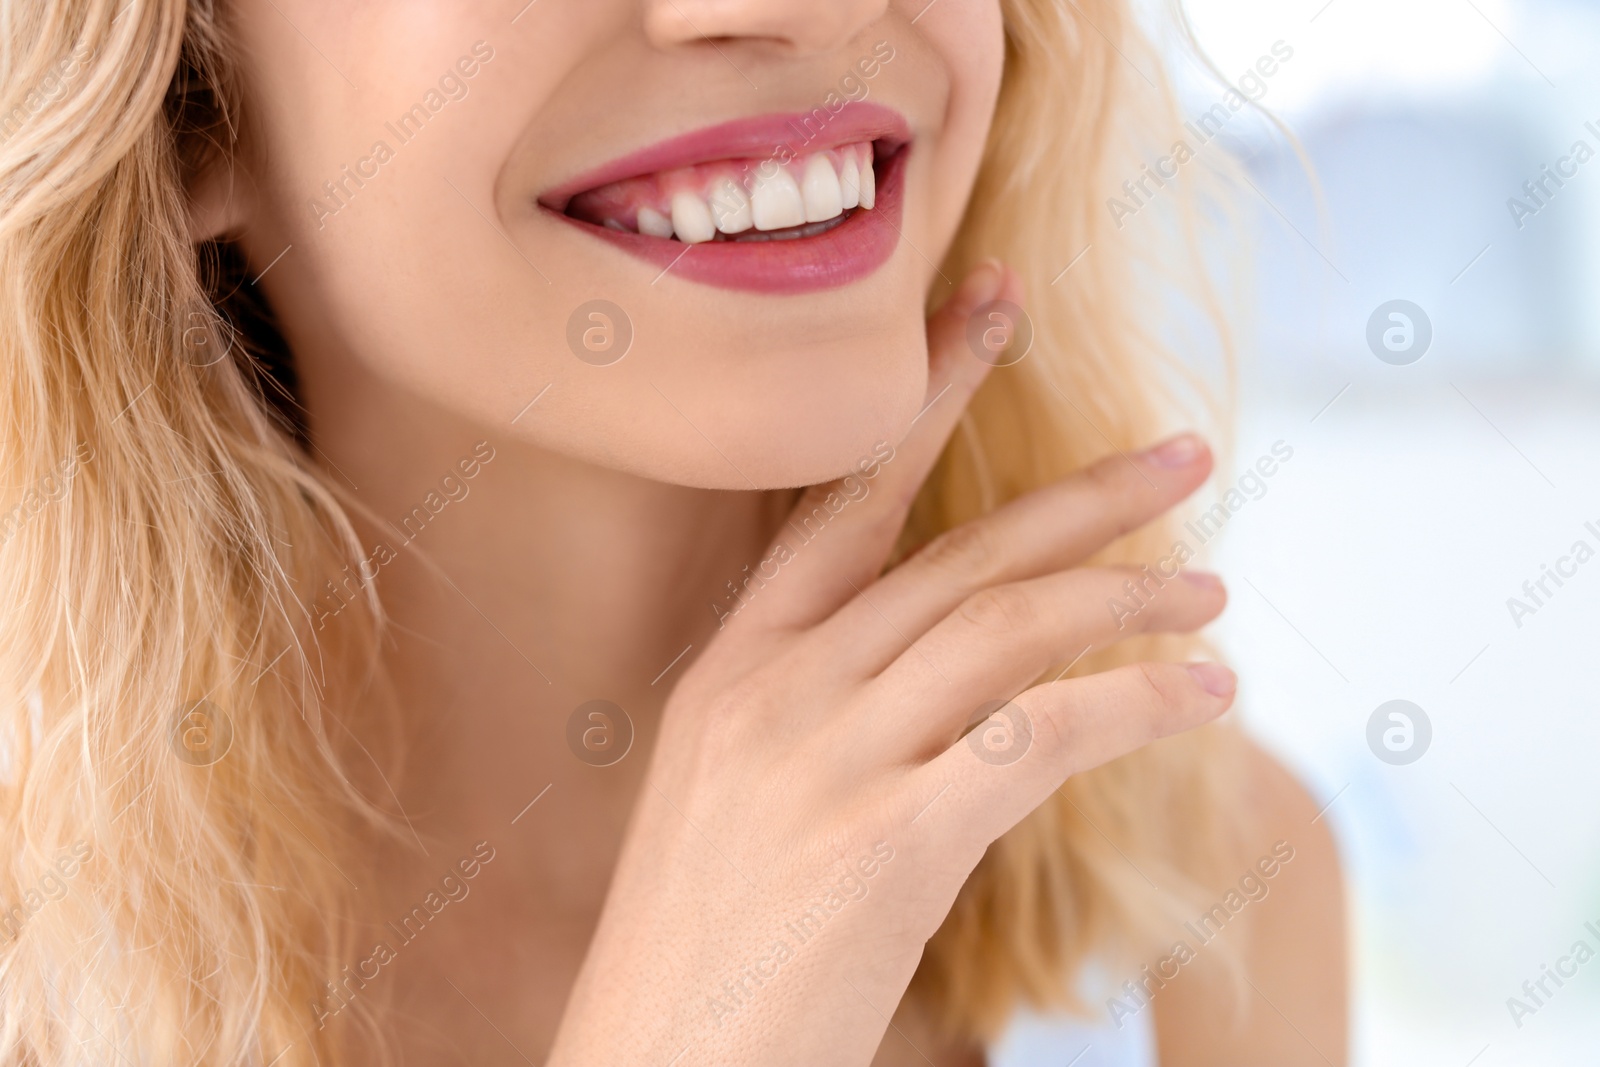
848 252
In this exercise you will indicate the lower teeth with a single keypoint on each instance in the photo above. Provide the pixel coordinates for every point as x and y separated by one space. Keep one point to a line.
810 229
788 233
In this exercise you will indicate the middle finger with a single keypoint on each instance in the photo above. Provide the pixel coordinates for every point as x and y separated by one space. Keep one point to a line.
999 641
1048 530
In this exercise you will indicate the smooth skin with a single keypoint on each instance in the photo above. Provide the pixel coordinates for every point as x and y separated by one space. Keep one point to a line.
822 719
814 712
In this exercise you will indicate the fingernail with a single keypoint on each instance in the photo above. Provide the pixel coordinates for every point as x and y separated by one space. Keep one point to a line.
1214 678
1178 451
1204 579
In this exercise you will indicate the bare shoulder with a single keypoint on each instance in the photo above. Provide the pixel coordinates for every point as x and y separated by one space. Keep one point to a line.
1267 980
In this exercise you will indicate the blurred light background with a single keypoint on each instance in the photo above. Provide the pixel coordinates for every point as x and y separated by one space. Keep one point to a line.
1421 497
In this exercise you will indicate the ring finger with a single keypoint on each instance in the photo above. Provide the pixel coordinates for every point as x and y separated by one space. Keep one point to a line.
1048 530
999 640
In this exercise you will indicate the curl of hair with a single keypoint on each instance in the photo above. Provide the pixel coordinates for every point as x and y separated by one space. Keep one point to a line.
161 538
1110 867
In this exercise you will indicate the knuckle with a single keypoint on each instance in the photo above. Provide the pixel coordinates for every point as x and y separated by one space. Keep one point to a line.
1121 495
970 550
1152 706
1129 607
1052 734
721 721
1107 475
884 524
1160 689
1002 611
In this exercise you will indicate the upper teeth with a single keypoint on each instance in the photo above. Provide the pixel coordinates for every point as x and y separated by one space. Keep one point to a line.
775 202
730 207
850 181
653 223
694 204
691 218
820 188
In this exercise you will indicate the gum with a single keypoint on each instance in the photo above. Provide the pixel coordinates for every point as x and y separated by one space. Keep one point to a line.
620 202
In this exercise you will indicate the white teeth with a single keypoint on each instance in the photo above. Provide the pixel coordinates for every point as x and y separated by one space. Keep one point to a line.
817 188
849 179
653 223
820 190
730 207
691 219
777 203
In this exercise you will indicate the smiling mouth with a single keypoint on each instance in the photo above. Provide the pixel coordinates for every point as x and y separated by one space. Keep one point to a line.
743 200
783 203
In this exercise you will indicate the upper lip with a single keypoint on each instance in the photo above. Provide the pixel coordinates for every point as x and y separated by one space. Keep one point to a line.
758 137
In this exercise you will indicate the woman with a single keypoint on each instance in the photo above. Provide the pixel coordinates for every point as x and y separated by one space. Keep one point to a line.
416 644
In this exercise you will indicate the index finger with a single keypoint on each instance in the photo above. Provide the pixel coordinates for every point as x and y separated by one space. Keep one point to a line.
1049 529
829 551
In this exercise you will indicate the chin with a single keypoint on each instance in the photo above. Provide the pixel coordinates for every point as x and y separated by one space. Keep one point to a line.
790 417
824 425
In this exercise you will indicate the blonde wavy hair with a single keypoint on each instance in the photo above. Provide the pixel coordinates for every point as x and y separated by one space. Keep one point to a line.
163 535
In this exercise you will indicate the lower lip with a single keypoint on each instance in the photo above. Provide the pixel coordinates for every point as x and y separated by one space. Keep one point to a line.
845 254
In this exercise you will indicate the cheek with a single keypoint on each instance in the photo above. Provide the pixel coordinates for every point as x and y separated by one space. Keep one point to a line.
381 203
966 49
433 279
715 389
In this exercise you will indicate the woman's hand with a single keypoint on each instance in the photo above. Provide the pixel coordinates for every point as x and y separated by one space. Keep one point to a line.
813 808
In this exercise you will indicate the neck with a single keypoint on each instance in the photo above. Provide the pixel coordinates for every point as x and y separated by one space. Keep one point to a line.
522 585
